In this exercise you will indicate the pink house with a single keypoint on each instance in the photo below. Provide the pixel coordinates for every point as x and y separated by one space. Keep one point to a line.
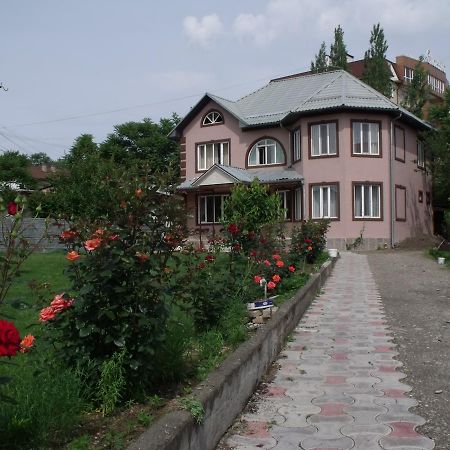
330 145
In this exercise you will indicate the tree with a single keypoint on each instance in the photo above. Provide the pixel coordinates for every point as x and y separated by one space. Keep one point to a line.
417 91
376 71
438 146
320 62
14 169
144 141
338 50
82 149
40 158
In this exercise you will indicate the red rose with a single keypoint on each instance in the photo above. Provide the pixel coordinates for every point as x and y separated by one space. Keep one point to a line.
202 265
276 278
92 244
67 235
233 228
308 241
291 269
59 303
271 285
236 247
12 208
210 258
267 263
9 339
257 279
27 343
47 314
276 257
280 263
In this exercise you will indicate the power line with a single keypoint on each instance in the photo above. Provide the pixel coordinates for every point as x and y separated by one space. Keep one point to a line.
127 108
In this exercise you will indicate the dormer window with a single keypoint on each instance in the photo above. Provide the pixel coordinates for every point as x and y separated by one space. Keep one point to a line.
212 118
266 152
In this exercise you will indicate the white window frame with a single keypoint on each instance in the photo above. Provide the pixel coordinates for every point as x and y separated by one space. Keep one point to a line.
296 145
370 138
320 145
420 154
212 118
202 148
215 218
285 203
408 74
370 187
264 145
322 206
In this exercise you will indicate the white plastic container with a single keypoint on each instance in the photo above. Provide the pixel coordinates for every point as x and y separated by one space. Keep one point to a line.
333 252
441 260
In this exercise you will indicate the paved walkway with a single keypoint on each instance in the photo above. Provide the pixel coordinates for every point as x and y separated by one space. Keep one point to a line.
338 386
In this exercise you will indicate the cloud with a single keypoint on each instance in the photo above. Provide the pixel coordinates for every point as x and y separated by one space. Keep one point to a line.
204 31
287 18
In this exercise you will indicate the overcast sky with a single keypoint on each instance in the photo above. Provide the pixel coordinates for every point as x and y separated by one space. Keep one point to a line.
105 62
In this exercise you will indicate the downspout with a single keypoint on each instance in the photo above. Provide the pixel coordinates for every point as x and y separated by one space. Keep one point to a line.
391 180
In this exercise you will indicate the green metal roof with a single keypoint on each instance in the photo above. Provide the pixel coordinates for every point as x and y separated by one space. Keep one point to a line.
284 99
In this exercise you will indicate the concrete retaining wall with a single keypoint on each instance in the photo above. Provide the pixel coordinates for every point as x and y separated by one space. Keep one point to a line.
227 389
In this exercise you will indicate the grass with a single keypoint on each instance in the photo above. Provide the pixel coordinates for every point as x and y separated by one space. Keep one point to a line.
442 254
44 271
49 397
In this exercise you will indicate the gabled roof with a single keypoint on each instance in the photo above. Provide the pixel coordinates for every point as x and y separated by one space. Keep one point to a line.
284 100
231 175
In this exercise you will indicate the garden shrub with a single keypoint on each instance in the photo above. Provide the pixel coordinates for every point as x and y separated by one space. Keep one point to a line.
309 240
121 282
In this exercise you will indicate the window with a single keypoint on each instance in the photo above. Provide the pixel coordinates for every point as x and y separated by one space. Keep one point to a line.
399 138
420 155
285 201
296 145
366 138
436 84
323 139
420 196
212 153
400 203
212 118
409 75
298 200
210 208
325 202
266 152
366 201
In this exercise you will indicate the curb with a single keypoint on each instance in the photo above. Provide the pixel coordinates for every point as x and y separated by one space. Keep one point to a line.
227 389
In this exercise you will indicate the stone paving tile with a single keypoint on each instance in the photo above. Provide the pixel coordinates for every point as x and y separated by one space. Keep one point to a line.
339 385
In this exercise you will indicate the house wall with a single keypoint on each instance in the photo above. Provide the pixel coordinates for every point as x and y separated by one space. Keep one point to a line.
344 169
408 175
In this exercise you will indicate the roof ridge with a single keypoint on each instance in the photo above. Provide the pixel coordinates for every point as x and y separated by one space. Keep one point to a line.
339 73
302 75
218 96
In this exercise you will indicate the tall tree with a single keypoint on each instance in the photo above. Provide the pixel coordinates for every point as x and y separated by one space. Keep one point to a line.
83 147
338 50
320 60
417 91
145 141
376 71
40 158
14 168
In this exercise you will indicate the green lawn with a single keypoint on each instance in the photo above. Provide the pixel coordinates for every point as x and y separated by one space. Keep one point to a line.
39 269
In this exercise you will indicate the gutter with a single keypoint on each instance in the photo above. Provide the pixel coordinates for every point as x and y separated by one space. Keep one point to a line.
391 179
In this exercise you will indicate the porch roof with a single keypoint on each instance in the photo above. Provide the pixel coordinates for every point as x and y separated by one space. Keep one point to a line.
220 174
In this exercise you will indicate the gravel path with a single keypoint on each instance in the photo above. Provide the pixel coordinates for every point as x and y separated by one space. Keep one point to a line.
338 385
415 293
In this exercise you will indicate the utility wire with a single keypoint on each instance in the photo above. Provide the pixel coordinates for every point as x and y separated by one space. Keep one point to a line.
128 108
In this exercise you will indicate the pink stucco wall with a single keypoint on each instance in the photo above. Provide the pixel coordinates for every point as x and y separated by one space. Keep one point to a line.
344 169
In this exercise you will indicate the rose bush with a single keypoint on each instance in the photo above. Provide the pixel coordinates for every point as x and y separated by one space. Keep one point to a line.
309 240
121 284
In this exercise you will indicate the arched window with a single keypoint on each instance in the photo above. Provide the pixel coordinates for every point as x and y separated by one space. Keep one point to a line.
266 152
212 118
